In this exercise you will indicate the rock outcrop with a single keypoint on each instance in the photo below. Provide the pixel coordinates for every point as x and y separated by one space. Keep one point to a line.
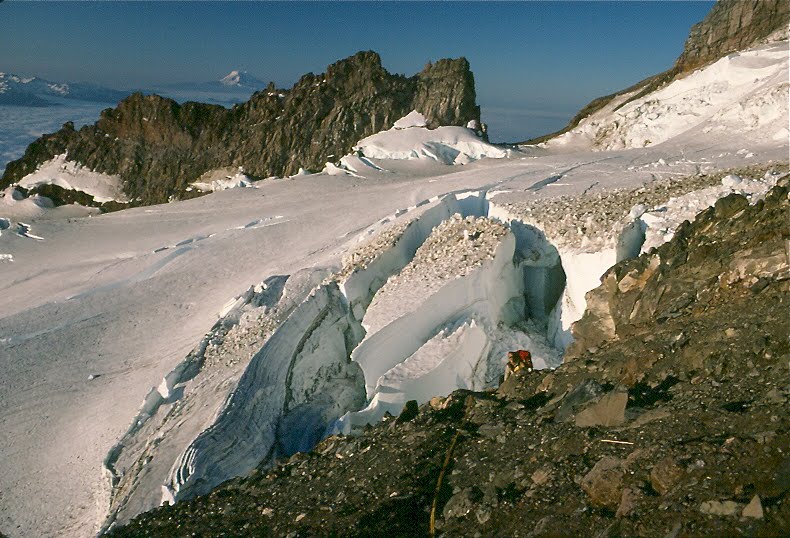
158 147
729 246
731 25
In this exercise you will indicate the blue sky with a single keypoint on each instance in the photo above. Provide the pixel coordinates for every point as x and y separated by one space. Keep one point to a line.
535 63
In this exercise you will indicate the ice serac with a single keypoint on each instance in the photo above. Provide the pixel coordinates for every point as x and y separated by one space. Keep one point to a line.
451 330
189 398
489 295
446 319
294 387
158 147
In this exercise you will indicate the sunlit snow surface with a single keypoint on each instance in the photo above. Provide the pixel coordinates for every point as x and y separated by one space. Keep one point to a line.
410 140
95 312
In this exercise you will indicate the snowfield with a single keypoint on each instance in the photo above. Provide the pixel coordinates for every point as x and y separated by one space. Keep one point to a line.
152 353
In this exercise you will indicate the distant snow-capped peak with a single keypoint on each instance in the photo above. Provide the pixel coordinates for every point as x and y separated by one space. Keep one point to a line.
240 78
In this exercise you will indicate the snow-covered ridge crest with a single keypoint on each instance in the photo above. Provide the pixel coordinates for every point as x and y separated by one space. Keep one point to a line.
742 93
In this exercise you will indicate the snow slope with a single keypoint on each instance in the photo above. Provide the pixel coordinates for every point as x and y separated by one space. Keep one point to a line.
742 92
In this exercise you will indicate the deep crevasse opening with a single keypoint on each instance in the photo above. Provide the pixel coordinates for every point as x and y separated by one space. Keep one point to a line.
343 354
454 337
458 336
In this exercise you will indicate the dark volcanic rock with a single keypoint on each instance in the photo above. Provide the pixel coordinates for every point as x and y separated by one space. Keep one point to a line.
728 246
158 147
604 483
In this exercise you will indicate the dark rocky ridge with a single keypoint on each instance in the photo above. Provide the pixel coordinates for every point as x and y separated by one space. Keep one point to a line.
731 25
158 147
672 423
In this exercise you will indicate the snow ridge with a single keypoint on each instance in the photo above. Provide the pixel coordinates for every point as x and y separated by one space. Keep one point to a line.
71 175
410 139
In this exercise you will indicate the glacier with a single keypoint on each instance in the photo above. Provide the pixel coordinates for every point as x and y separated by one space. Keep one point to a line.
272 303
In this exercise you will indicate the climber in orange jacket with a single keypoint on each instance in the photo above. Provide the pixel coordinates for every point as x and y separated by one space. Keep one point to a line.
518 361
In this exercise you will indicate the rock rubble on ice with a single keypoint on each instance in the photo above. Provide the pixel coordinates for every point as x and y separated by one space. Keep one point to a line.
370 264
661 221
456 247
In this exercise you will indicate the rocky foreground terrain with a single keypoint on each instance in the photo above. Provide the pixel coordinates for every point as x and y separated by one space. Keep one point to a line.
668 418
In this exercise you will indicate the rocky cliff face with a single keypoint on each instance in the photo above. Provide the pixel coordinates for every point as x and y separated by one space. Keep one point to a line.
672 423
730 25
158 146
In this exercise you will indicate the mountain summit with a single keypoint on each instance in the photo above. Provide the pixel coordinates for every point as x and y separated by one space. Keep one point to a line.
158 147
241 79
